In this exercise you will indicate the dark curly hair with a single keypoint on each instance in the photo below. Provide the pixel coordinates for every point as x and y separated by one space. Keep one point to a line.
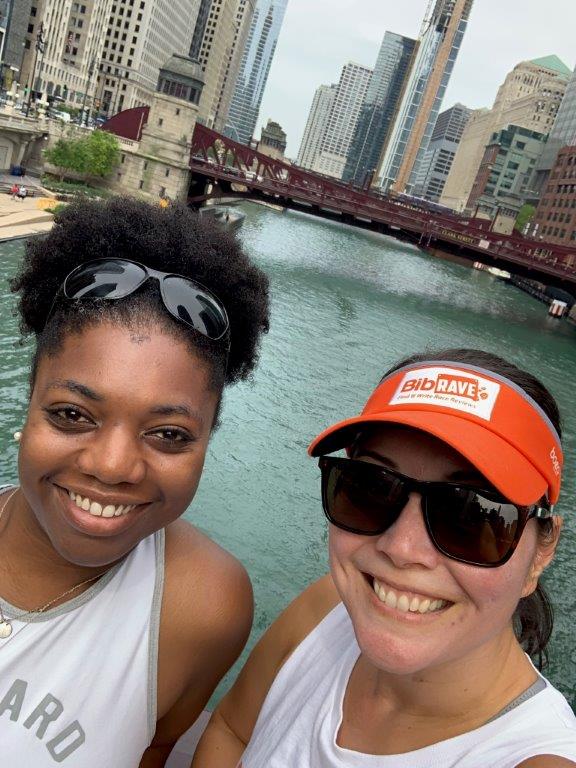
533 618
172 239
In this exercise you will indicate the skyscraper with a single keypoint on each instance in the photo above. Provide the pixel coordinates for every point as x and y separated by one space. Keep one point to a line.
438 46
339 124
316 125
379 106
435 166
254 69
563 134
564 128
218 40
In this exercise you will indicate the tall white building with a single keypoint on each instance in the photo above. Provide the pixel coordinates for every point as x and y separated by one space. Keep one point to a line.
140 37
218 43
316 125
438 46
338 128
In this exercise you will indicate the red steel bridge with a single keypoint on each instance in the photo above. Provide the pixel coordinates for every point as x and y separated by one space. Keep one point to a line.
223 168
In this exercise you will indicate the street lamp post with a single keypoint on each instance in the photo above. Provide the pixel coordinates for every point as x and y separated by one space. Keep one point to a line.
38 49
91 68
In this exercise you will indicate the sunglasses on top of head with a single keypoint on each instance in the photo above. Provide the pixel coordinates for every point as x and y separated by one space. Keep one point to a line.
467 524
187 300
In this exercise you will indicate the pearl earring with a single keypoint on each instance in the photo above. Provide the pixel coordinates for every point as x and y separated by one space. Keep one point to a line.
17 436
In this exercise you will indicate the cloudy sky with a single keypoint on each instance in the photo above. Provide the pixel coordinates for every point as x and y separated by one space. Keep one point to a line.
319 36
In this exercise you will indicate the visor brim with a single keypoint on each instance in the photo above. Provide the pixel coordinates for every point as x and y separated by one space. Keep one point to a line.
503 465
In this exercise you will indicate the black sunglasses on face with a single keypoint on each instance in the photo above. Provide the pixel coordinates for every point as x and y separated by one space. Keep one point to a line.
464 523
186 300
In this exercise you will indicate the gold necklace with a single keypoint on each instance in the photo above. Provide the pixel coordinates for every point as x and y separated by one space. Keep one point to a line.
6 623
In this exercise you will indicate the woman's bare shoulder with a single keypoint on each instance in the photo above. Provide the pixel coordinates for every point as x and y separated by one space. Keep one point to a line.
201 576
207 611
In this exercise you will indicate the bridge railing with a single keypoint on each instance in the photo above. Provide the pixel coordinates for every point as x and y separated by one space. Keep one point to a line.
222 158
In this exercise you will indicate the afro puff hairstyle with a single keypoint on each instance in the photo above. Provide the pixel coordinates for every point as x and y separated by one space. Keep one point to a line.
172 239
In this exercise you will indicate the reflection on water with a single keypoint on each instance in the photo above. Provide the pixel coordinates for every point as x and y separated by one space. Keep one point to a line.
346 305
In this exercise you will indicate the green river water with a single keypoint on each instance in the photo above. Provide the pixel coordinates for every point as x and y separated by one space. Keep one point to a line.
345 305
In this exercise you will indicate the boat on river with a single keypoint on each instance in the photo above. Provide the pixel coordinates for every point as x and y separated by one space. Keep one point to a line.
231 218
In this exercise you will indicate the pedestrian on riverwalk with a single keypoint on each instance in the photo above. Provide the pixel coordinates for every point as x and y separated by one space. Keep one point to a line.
117 618
22 192
14 190
416 650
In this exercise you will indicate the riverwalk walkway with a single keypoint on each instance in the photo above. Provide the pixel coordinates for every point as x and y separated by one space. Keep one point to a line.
20 218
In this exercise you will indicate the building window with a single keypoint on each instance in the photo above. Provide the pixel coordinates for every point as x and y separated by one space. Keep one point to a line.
167 172
141 184
145 164
161 121
122 158
178 110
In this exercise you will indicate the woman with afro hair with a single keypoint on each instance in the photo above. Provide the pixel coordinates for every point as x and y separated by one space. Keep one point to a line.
118 619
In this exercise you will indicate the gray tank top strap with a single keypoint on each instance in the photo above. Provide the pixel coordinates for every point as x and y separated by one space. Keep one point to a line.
159 540
535 688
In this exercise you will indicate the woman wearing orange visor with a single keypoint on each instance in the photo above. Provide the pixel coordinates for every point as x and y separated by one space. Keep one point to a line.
415 651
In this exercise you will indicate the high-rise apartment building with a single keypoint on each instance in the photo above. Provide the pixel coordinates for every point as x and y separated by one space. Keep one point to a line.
438 46
377 112
315 129
218 41
254 69
435 166
529 98
340 124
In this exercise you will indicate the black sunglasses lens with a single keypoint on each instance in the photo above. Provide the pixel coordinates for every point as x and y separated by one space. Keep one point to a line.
194 307
358 496
104 279
472 527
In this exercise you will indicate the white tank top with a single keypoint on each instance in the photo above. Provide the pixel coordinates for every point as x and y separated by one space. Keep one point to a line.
301 716
78 682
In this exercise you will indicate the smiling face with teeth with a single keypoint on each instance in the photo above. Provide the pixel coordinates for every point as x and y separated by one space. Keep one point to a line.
115 441
412 607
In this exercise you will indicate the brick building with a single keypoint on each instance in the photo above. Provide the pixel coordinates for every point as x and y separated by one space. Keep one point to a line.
555 218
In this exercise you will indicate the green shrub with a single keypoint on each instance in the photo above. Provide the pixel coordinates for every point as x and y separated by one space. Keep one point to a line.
56 208
72 187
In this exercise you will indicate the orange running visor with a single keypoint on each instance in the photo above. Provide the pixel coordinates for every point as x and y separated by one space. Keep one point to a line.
486 417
